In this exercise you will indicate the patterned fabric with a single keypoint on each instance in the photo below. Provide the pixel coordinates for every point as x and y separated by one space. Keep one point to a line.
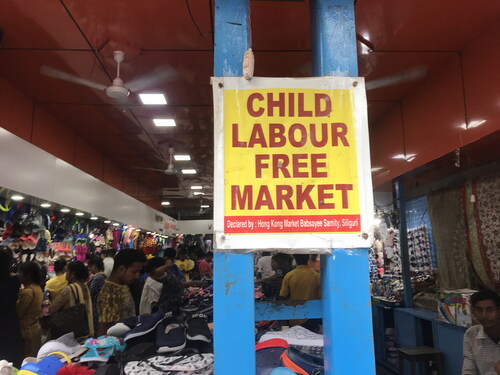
195 364
95 285
484 226
115 303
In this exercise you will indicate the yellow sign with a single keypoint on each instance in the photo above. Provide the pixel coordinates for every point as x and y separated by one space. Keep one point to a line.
290 161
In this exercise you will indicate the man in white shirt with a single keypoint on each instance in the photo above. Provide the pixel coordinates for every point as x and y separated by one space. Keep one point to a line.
264 268
482 342
109 262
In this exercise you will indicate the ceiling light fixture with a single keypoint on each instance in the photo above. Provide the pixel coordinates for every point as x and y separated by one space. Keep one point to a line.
196 187
472 124
107 221
45 205
407 157
116 224
17 197
189 171
199 193
204 206
137 230
165 203
162 122
79 214
94 218
65 209
182 157
153 99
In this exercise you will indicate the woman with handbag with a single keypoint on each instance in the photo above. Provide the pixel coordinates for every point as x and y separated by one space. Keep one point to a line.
71 311
29 307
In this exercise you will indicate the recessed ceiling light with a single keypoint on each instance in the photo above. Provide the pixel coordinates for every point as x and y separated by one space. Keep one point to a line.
116 224
196 187
148 232
199 193
45 205
153 99
107 221
204 206
189 171
182 157
94 218
65 209
164 122
137 230
79 214
17 197
165 203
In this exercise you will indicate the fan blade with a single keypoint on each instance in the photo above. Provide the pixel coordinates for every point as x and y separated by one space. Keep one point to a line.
160 74
406 76
54 73
150 169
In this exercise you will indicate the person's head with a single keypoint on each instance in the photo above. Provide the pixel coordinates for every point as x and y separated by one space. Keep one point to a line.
301 259
486 307
275 262
128 265
96 265
196 253
60 266
183 255
77 272
266 253
170 253
153 265
5 263
209 257
30 273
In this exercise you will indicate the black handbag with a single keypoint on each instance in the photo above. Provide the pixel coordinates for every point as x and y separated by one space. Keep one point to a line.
73 319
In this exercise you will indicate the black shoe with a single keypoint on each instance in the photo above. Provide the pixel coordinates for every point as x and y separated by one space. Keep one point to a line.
198 328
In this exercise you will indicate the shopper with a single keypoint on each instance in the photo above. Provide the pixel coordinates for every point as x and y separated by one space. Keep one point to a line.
58 282
271 285
481 342
29 307
97 279
185 265
173 270
75 292
201 265
109 261
302 284
210 258
314 263
156 269
115 301
264 267
10 337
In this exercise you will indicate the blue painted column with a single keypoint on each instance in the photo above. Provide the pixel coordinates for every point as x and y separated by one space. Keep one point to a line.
346 305
234 314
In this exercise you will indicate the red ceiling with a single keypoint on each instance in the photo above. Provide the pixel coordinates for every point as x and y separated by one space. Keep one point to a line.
456 42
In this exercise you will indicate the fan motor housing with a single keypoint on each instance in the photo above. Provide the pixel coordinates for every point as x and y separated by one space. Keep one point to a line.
117 92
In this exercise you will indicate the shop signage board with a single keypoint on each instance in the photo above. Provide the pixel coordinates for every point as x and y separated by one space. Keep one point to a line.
292 168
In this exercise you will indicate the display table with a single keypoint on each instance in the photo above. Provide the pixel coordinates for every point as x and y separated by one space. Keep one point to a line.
416 327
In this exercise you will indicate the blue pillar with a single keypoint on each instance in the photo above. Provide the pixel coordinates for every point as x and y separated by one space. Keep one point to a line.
347 320
234 315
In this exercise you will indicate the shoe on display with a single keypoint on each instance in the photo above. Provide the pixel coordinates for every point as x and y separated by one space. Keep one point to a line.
170 338
198 329
147 324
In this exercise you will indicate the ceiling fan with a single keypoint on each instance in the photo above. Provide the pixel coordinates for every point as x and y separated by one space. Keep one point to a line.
118 90
170 168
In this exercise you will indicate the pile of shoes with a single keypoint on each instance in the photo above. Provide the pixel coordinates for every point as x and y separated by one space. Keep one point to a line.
168 333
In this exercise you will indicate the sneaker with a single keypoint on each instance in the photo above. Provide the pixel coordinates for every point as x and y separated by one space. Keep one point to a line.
122 327
198 328
146 324
170 338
